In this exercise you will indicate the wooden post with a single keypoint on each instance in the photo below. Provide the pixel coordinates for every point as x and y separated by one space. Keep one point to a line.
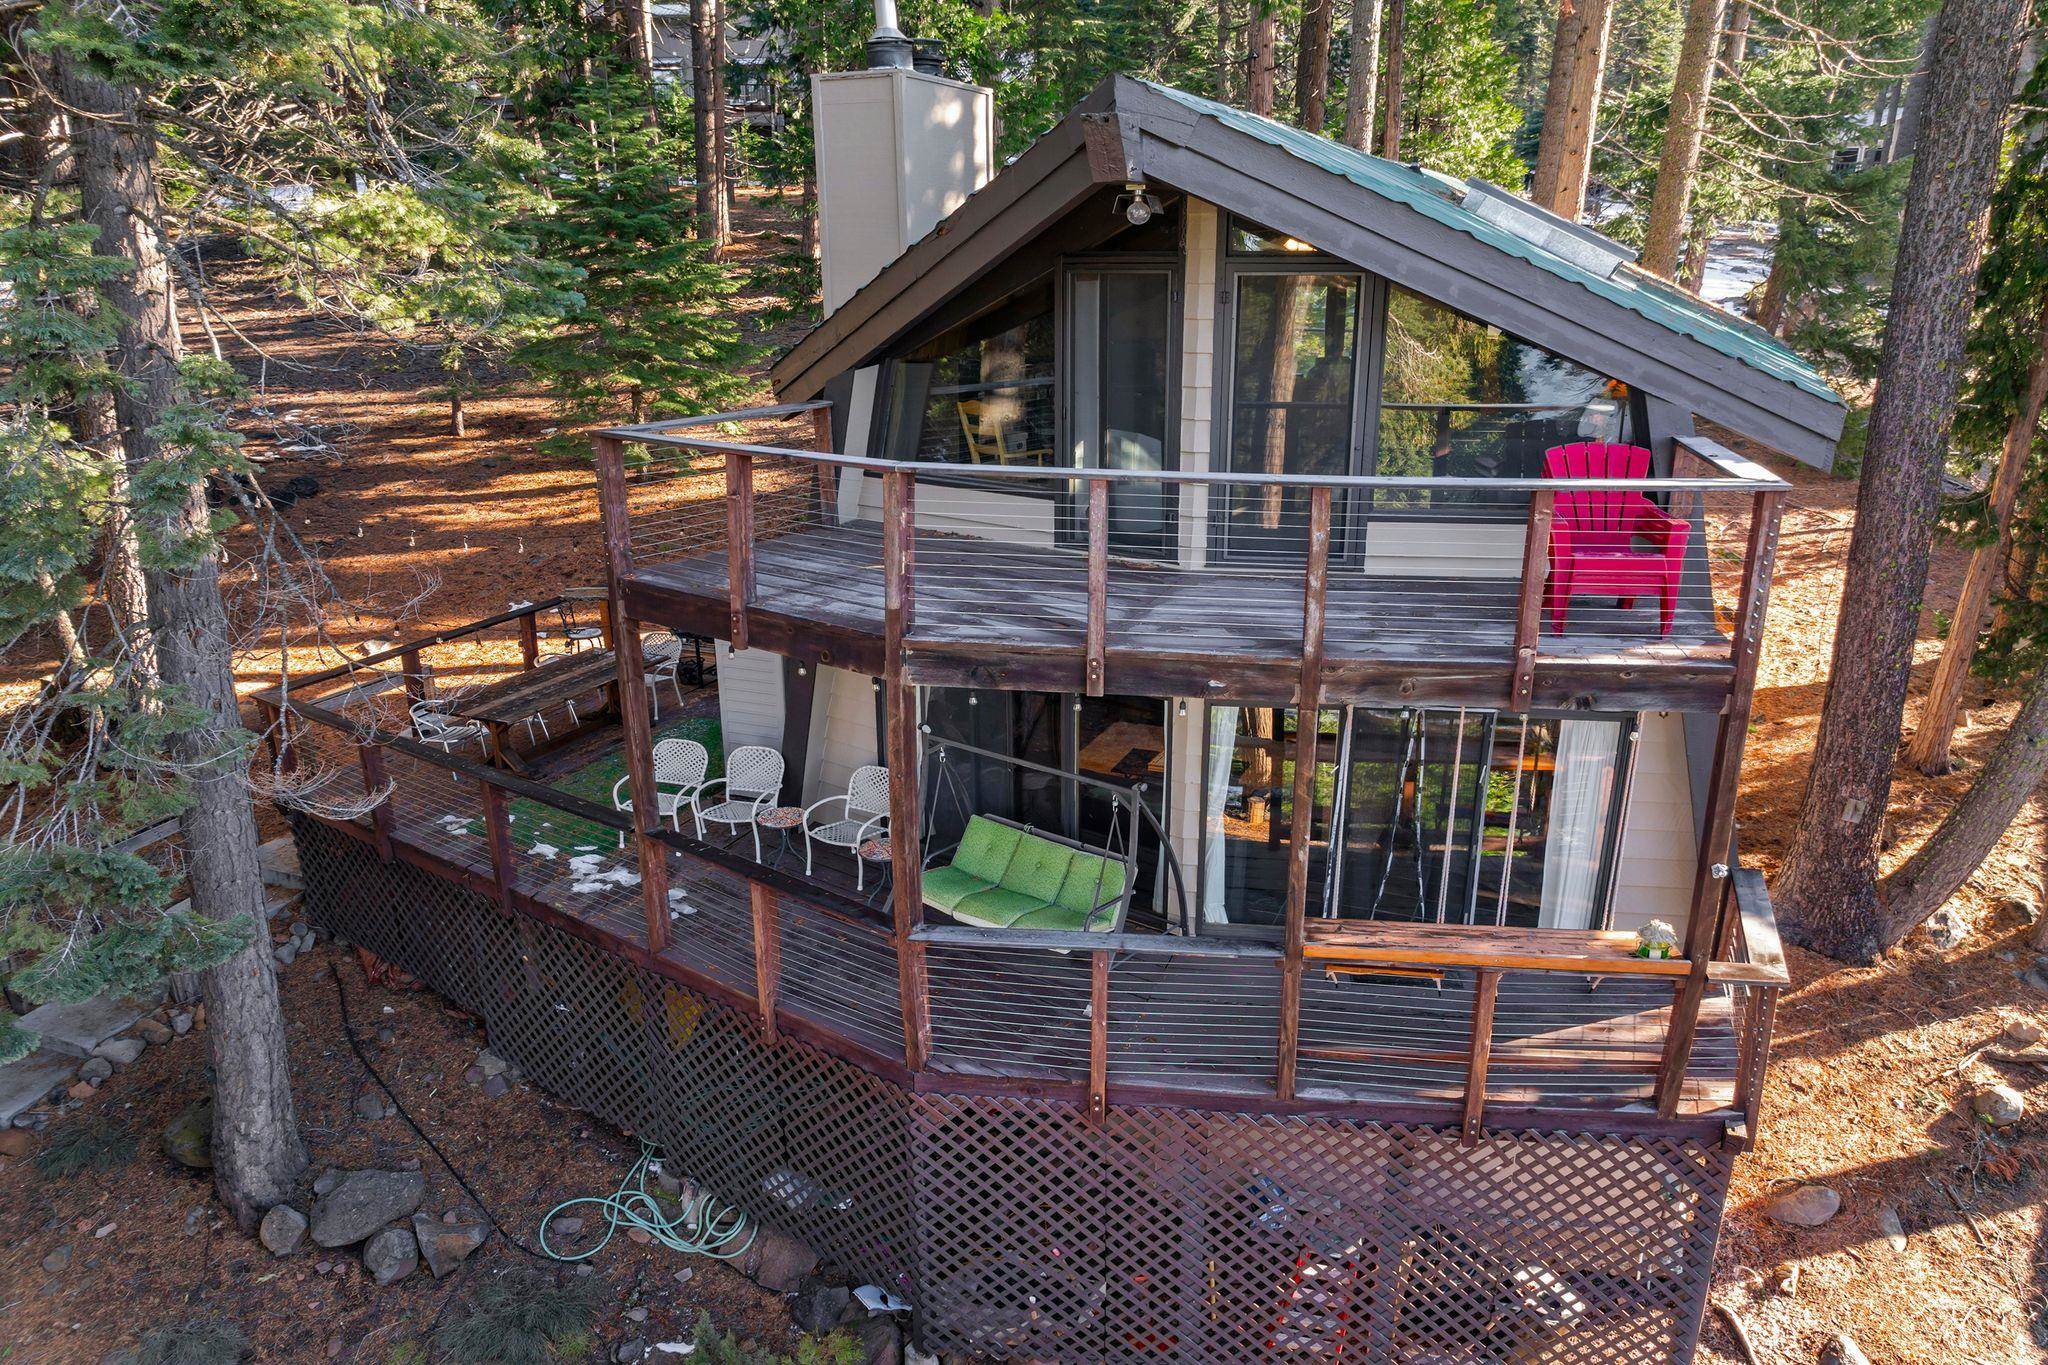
529 640
415 675
906 821
498 833
827 475
739 541
609 455
1711 873
1098 1036
371 757
1486 991
1308 709
1098 581
1529 611
767 954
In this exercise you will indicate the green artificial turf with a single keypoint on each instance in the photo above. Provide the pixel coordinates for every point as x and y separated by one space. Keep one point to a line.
534 822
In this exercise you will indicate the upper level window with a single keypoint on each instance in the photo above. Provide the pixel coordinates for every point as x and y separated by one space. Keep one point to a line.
980 394
1249 239
1462 399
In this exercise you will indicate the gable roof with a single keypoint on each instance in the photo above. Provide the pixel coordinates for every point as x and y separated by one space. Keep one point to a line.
1403 222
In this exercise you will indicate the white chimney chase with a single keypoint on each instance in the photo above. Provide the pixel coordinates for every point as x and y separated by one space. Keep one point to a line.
897 151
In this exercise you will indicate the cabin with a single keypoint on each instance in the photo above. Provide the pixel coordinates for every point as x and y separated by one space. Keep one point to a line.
1215 836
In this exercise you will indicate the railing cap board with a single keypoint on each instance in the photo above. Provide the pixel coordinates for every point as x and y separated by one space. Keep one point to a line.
1480 946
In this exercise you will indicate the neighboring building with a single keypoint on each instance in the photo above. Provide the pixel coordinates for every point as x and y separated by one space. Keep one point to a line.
750 85
1287 757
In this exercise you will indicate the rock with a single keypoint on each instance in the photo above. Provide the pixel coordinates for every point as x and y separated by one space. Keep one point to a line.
327 1180
387 1035
16 1142
1894 1231
188 1140
494 1086
1999 1105
636 1315
122 1052
817 1305
2020 910
363 1201
1944 930
491 1064
2035 980
1804 1206
283 1230
285 954
181 1022
76 1029
370 1105
568 1227
630 1350
153 1032
684 1275
2023 1033
473 1076
96 1069
881 1342
58 1260
444 1245
777 1261
391 1255
80 1092
1843 1350
27 1083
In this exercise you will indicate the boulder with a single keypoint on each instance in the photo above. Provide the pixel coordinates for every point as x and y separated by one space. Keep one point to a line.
1999 1105
96 1069
153 1031
817 1306
777 1261
491 1064
76 1029
27 1083
881 1342
283 1230
445 1245
1843 1350
391 1255
363 1201
16 1142
188 1140
1804 1206
121 1052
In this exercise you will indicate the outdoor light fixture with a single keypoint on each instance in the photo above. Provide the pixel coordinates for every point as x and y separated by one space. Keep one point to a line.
1137 203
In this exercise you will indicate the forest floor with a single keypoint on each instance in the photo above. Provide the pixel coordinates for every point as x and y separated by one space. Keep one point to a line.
1871 1068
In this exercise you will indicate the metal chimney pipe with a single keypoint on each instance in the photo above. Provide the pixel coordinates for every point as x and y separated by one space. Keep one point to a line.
887 46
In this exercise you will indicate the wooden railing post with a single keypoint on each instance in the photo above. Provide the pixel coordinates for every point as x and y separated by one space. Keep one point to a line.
827 475
371 757
498 833
1098 1035
1529 609
739 541
1307 717
899 519
529 640
767 955
1485 993
1712 888
415 676
1098 582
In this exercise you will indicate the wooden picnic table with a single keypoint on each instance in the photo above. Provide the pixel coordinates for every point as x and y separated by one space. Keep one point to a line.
547 685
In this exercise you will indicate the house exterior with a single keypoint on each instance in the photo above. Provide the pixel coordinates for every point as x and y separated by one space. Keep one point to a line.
1251 956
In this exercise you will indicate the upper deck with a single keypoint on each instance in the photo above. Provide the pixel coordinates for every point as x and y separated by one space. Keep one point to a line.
1163 583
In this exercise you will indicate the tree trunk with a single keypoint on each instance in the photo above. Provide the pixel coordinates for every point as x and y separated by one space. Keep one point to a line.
1365 72
1928 750
256 1148
1312 64
1699 243
1938 868
1827 890
458 423
1571 106
707 107
1265 33
636 22
1394 34
1685 128
1226 50
1735 37
1770 301
721 136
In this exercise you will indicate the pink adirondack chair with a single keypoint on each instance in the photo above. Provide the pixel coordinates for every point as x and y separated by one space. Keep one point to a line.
1609 542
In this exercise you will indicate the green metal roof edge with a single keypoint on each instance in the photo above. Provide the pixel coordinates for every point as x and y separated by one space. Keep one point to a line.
1425 191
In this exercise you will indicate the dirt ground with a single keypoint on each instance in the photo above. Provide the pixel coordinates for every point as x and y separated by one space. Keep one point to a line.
1870 1073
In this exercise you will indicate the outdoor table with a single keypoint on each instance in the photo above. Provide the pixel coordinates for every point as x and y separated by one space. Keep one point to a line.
878 850
549 684
781 819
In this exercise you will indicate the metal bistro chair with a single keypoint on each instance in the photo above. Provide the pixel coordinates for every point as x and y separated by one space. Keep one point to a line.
752 783
864 814
663 656
679 768
435 727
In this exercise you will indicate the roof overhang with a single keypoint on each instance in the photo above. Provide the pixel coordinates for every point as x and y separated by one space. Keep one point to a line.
1127 131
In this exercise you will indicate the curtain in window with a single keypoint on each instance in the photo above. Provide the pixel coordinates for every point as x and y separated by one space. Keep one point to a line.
1581 798
1222 750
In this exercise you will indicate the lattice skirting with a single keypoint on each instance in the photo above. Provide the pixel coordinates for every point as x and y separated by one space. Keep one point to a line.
1023 1232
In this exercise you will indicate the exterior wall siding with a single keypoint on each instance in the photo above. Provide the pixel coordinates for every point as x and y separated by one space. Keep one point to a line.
842 732
1659 842
750 699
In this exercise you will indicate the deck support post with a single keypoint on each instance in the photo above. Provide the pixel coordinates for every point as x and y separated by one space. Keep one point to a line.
529 638
767 955
739 542
414 672
371 757
1098 1035
1307 717
1712 899
498 833
906 820
1098 582
1485 993
1529 609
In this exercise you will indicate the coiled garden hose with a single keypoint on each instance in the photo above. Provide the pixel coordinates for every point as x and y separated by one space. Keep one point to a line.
700 1227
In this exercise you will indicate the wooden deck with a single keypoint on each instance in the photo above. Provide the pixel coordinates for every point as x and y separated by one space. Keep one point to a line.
1009 614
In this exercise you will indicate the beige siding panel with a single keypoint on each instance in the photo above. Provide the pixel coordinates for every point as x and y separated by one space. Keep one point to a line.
750 704
950 508
1198 377
842 732
1659 846
1443 549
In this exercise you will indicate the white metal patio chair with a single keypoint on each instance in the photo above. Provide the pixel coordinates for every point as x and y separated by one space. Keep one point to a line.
752 784
863 814
663 656
436 727
679 768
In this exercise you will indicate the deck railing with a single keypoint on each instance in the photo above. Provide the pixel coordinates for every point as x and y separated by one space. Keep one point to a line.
1073 578
1465 1026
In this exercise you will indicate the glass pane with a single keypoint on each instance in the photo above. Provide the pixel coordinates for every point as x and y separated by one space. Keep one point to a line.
1122 366
1249 239
982 394
1461 399
1248 813
1012 724
1293 360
